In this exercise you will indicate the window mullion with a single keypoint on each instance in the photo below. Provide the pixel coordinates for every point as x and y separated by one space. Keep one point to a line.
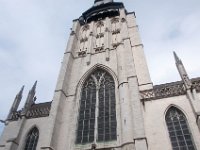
96 115
110 114
104 116
182 131
171 117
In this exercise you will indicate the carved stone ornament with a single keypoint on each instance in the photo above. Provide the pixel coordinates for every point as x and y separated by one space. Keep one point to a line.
35 111
82 53
100 35
114 20
86 27
187 81
100 24
115 45
72 32
99 49
116 31
123 20
107 30
196 84
168 90
91 33
84 39
164 91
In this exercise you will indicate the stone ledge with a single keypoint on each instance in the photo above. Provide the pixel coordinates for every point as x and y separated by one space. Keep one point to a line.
48 148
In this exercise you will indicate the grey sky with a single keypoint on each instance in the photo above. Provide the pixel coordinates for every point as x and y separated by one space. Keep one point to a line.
34 33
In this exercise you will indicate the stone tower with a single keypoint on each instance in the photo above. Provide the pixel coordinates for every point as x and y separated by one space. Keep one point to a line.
96 104
104 98
104 43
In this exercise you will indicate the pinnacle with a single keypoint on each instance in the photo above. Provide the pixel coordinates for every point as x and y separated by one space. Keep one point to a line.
22 89
177 59
34 86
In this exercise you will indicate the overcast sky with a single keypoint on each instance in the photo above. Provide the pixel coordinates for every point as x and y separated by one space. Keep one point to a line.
34 33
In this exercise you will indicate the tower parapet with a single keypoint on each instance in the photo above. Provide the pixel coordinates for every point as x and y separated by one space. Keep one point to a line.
100 10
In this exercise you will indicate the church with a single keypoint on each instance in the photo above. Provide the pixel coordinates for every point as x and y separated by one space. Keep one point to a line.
104 98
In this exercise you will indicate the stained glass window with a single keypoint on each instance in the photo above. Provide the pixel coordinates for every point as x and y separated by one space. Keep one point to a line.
179 132
97 109
32 139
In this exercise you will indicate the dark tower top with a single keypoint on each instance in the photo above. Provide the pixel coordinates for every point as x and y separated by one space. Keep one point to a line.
100 2
100 10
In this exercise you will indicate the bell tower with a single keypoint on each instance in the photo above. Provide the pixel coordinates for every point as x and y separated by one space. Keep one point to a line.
104 98
97 102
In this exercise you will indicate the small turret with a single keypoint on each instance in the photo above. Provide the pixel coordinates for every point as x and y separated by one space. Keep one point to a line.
30 98
182 72
16 103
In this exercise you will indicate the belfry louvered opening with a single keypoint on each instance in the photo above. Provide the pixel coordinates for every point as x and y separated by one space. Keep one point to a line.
97 113
179 132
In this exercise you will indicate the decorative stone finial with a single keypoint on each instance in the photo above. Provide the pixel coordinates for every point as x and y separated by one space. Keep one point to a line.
176 57
16 103
30 98
181 69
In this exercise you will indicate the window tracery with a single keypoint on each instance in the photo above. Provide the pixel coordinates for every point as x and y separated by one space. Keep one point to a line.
97 113
179 132
32 139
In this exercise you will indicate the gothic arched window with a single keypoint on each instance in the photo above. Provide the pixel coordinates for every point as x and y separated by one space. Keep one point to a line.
179 132
32 139
97 113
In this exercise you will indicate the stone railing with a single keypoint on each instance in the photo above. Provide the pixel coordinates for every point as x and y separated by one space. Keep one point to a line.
39 110
36 111
168 90
196 84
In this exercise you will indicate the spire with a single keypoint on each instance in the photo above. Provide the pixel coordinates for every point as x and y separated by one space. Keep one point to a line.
176 58
30 98
182 72
16 103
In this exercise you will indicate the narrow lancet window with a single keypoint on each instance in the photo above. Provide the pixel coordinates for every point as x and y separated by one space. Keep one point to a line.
99 36
32 139
179 132
97 113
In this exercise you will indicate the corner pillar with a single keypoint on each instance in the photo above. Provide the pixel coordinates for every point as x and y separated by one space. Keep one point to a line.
138 119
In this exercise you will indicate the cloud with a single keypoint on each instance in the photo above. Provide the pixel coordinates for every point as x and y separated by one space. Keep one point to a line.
166 27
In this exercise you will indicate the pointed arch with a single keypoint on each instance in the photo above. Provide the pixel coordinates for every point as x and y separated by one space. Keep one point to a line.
97 112
96 67
32 139
178 129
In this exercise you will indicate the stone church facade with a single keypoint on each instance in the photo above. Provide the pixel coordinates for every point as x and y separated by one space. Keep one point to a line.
104 98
